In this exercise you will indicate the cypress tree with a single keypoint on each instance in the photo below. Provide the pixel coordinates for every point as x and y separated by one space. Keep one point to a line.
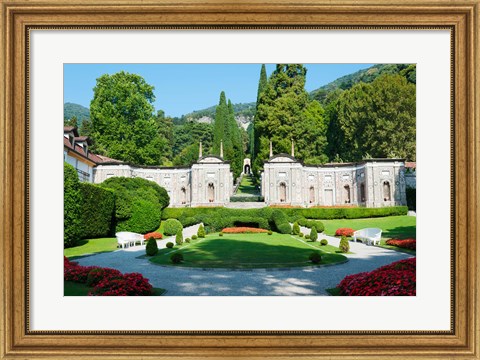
262 83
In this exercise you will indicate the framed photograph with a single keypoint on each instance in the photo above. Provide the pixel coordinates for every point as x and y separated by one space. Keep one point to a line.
62 52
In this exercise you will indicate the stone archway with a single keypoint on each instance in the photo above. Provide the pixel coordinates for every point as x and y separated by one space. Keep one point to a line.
386 191
312 195
246 169
346 190
183 195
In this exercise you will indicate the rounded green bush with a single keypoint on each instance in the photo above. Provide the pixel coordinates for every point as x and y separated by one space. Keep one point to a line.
179 238
169 245
172 227
313 234
301 234
152 247
194 237
307 237
187 240
344 245
270 232
324 242
176 258
220 234
315 257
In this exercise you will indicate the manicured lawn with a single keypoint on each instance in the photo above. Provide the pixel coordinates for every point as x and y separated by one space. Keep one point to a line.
245 251
92 246
247 186
71 288
393 227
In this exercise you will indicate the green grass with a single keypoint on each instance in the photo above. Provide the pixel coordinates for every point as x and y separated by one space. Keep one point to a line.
246 251
247 186
71 288
393 227
91 246
333 291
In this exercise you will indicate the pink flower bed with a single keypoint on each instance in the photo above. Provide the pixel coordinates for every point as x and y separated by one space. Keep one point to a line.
406 243
242 230
106 281
396 279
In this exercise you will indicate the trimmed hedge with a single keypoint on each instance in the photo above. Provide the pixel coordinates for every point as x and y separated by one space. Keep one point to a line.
292 213
139 203
97 211
281 222
72 199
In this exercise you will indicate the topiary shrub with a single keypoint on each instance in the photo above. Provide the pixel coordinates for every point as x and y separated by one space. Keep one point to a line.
313 234
315 257
97 210
301 234
344 245
307 237
270 232
176 258
324 242
281 222
187 240
71 206
194 237
295 228
172 227
169 245
220 234
179 238
152 248
201 231
138 203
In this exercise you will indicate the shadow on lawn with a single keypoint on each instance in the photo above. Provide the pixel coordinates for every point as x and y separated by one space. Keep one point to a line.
401 232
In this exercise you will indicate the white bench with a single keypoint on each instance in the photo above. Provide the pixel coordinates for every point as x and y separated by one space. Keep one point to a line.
126 238
371 235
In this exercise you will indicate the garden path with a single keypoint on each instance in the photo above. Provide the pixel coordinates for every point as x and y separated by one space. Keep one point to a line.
256 282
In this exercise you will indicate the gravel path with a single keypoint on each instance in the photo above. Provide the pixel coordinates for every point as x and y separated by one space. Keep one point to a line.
258 282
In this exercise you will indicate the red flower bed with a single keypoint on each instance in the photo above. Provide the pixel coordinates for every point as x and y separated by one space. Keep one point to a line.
406 243
396 279
344 232
106 281
133 284
243 230
155 235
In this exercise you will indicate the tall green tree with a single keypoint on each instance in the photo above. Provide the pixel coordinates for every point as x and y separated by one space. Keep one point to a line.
285 113
123 124
226 130
262 84
378 119
73 121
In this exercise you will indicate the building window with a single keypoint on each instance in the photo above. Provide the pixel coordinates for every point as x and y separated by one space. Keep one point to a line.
386 191
211 192
283 192
346 190
83 176
312 194
362 192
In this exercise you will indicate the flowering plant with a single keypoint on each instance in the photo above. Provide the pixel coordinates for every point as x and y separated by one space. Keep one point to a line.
395 279
155 235
133 284
344 232
405 243
106 281
242 230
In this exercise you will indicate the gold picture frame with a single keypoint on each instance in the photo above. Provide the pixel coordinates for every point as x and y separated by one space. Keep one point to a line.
18 17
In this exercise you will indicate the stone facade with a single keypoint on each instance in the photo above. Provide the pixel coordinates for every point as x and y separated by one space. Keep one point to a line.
370 183
206 183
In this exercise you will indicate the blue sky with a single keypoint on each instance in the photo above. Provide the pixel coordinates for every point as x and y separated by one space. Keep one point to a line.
182 88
